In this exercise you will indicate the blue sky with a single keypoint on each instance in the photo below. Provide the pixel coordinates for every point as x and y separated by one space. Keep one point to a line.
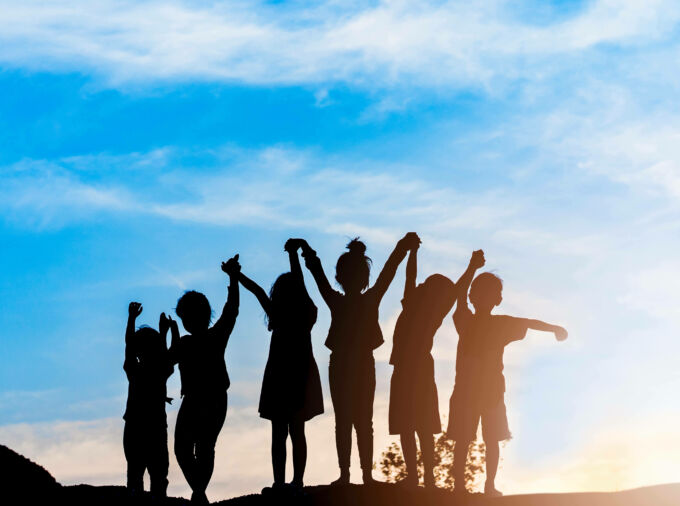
144 142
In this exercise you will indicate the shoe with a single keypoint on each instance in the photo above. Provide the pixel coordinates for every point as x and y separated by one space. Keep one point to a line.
343 480
492 492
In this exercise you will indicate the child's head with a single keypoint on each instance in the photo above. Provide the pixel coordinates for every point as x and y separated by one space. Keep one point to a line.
486 292
290 300
353 268
439 294
194 310
148 343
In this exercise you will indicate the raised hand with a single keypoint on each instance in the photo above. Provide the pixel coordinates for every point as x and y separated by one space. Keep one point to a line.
164 324
561 333
410 241
293 244
231 266
134 309
477 259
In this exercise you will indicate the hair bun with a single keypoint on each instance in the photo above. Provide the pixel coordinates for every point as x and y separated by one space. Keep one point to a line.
356 247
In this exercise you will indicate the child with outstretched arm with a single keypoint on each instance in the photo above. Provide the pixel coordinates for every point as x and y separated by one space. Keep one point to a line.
479 389
145 436
291 388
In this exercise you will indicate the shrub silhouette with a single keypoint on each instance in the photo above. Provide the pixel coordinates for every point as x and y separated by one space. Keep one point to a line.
393 467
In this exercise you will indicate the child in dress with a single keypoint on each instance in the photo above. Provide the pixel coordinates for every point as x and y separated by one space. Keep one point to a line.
205 381
145 436
291 388
414 405
479 389
353 335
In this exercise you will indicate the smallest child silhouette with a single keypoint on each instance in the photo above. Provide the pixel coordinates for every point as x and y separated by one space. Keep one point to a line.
145 436
479 389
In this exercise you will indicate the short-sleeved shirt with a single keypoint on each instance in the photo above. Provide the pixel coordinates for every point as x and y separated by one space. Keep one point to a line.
354 323
147 391
414 331
481 342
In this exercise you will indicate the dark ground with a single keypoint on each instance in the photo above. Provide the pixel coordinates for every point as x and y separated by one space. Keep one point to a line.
26 483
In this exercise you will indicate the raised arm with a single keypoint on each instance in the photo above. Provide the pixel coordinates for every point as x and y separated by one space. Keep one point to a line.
409 241
463 284
291 247
314 265
411 271
225 324
173 351
256 290
134 310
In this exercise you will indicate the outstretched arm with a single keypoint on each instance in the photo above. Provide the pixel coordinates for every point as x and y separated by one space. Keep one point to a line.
411 271
409 241
313 263
256 290
463 284
560 332
134 310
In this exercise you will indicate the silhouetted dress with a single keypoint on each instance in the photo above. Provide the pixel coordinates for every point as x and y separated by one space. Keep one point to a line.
291 387
414 403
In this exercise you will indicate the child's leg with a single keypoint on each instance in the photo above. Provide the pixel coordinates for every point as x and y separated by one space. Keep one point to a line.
492 458
427 447
343 418
184 442
297 436
408 448
213 420
158 460
279 436
460 453
132 446
363 421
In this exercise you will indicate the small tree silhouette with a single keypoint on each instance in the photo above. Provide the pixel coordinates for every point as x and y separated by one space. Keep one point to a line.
393 467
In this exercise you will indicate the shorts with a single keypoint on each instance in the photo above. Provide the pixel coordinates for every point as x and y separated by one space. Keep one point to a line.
465 411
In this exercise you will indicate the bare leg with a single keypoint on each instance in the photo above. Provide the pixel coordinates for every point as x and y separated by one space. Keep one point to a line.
427 447
279 436
460 452
492 458
408 448
297 436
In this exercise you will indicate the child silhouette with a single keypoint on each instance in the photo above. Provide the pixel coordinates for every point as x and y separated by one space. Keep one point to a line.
291 387
145 436
479 389
205 381
414 406
353 335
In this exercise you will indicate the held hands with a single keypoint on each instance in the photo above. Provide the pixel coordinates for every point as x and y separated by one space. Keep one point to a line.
477 259
134 309
294 244
410 241
560 333
231 266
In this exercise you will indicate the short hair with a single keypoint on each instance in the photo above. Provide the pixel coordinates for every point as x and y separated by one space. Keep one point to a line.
193 306
486 283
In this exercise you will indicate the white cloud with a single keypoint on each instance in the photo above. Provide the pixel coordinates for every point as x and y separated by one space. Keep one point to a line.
385 44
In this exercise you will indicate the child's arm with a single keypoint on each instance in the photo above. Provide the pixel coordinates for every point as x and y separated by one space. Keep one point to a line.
411 271
225 324
164 324
291 247
463 284
560 332
134 310
173 351
256 290
406 243
313 263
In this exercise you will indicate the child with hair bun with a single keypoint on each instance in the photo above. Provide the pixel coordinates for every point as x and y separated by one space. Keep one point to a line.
353 335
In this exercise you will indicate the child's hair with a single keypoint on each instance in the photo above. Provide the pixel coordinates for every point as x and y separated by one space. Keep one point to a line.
439 293
486 286
353 267
147 341
290 302
194 310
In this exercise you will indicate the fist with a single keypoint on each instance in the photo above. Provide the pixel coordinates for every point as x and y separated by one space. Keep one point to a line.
293 244
134 309
561 333
477 259
231 266
411 240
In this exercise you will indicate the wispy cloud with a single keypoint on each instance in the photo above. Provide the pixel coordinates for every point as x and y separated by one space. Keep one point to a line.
385 44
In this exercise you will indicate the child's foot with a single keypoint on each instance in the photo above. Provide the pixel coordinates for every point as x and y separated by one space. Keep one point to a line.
367 478
199 498
408 482
491 491
460 491
343 480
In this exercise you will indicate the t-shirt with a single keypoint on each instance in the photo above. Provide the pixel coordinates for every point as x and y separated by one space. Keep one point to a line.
354 323
481 342
147 391
414 331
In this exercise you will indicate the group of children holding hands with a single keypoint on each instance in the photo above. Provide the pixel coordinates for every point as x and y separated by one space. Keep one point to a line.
291 388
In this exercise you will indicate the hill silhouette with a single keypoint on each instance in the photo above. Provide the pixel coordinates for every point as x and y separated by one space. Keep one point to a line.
27 480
